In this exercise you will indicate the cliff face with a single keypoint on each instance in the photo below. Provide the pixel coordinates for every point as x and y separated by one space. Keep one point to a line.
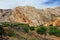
30 15
33 16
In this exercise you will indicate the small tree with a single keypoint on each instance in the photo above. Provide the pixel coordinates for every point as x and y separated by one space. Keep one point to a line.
54 31
26 29
32 28
57 33
6 24
41 30
1 31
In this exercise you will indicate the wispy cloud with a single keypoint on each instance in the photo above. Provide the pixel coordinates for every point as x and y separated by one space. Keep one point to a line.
52 3
36 3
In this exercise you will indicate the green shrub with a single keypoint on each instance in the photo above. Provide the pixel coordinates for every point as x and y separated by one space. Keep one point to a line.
1 30
25 28
41 30
52 30
38 30
6 24
18 25
32 28
57 33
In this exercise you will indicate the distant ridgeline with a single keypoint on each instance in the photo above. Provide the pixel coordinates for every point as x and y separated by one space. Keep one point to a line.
5 10
5 14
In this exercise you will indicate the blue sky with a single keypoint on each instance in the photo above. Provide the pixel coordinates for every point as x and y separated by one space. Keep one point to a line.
7 4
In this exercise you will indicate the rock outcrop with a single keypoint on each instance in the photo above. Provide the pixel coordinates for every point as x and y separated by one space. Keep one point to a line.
33 16
30 15
5 14
56 23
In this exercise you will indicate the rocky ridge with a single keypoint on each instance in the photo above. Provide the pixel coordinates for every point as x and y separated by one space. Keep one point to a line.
33 16
30 15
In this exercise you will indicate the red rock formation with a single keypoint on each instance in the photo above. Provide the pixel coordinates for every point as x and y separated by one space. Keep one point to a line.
56 22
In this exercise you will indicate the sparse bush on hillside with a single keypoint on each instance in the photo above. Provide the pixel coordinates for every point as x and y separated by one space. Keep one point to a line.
19 25
32 28
9 32
57 33
1 30
41 30
6 24
15 25
26 29
38 30
54 31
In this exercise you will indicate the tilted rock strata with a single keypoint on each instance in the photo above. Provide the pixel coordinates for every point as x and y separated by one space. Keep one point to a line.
5 15
30 15
33 16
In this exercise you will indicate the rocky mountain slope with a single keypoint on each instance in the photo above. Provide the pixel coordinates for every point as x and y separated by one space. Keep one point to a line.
30 15
5 14
33 16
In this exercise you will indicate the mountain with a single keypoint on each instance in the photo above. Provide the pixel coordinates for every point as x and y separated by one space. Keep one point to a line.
30 15
33 16
5 14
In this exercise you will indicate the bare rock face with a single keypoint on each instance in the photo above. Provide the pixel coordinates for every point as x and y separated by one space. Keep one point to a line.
30 15
5 14
56 23
33 16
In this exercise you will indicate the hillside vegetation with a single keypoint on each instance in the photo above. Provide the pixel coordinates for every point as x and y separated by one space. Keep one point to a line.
20 31
30 23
